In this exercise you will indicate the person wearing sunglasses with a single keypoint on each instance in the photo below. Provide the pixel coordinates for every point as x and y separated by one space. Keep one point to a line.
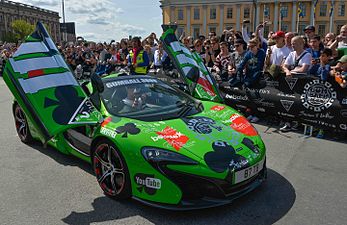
253 64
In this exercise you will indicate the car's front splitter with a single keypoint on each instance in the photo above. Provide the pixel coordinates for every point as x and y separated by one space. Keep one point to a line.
208 202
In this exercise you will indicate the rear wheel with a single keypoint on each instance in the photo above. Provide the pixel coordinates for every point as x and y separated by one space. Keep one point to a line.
21 123
111 170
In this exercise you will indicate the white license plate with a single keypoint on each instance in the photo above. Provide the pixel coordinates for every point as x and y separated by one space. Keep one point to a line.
249 172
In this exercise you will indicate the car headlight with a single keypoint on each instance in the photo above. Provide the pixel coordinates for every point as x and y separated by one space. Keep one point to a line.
250 144
160 155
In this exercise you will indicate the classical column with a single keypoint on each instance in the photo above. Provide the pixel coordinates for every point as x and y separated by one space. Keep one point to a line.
238 15
257 18
276 19
172 14
188 8
294 16
221 19
312 13
204 18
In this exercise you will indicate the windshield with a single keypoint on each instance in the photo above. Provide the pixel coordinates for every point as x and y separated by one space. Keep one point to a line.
146 98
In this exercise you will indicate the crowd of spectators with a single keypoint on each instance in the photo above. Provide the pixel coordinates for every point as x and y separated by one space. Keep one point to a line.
237 57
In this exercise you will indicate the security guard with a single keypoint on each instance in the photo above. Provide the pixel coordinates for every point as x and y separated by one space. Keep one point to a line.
138 58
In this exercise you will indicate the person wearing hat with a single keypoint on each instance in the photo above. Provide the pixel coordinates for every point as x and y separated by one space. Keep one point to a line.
309 31
340 71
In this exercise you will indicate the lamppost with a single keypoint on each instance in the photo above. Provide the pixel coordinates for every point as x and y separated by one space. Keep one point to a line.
255 14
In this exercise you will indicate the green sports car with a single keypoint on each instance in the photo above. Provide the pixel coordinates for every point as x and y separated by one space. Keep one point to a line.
144 138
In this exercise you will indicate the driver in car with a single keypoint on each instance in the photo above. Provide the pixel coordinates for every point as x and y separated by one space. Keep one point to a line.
134 101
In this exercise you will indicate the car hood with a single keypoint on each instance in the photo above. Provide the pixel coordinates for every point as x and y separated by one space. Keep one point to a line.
217 134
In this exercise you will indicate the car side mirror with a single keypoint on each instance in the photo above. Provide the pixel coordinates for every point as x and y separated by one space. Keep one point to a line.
193 74
97 83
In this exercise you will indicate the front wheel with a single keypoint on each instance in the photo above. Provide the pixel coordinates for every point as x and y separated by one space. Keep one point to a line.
21 123
111 170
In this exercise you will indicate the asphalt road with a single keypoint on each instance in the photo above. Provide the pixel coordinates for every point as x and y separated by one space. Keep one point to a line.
307 184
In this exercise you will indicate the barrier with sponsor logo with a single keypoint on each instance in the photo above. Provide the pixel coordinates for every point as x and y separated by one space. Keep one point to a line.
302 98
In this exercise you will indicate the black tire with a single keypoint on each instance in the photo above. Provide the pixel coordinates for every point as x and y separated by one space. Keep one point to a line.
21 124
111 170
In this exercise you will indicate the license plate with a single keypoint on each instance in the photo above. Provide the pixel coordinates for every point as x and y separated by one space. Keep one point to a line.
249 172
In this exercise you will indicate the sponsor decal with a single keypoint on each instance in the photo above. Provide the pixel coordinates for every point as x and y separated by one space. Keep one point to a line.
272 83
285 114
108 132
241 106
106 121
83 113
264 103
344 101
261 109
130 81
236 97
343 126
260 91
224 157
281 94
319 122
343 112
287 105
241 124
174 138
128 128
202 125
291 82
318 95
317 115
147 183
218 108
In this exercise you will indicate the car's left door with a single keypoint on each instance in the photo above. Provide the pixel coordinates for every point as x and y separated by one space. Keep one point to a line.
46 89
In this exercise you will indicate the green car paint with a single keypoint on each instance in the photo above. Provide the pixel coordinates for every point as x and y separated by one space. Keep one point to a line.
189 63
216 133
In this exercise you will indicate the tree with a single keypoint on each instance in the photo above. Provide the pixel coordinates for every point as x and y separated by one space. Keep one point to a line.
21 29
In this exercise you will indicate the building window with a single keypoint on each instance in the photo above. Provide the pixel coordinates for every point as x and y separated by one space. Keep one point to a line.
213 13
284 11
196 14
213 29
229 13
228 26
321 29
341 9
284 27
323 9
196 32
180 14
246 13
267 11
301 28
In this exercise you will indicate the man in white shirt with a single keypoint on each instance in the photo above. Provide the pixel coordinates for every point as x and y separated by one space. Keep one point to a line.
298 61
277 54
159 55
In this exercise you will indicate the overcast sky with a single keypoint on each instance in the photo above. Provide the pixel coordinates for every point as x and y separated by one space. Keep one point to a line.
104 20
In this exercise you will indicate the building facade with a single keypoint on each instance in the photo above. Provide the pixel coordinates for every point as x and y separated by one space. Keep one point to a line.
10 11
203 16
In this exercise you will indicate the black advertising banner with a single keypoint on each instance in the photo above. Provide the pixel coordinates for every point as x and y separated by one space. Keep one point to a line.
302 98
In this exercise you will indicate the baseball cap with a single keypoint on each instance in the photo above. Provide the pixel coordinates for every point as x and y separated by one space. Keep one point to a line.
310 27
343 59
279 34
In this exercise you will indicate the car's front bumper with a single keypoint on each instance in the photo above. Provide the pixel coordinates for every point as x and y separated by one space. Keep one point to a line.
201 192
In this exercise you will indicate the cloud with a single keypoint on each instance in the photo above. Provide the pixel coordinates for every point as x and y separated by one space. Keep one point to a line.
99 21
42 3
